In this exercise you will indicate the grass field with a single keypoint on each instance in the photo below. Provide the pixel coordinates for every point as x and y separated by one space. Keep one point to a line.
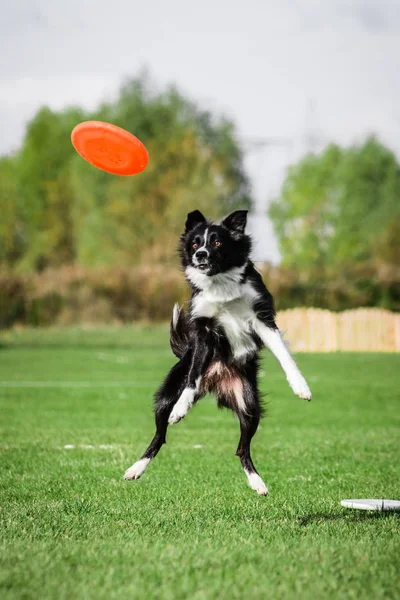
76 410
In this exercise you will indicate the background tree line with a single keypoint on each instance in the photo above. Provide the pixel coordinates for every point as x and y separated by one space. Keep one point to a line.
338 223
57 209
79 244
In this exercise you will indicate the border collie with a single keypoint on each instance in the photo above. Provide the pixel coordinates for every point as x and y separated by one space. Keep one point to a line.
231 317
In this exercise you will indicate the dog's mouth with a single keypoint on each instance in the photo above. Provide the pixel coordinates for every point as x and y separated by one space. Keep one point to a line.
203 266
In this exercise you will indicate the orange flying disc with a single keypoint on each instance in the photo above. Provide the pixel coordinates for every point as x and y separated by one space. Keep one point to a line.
109 148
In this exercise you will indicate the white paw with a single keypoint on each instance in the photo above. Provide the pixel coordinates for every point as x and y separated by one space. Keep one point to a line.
182 407
137 469
257 484
300 387
178 412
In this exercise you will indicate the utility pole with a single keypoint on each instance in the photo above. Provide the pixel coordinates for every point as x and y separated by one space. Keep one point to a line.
265 243
313 138
311 141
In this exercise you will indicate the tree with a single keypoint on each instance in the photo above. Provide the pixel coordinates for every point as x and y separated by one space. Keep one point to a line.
66 211
339 208
12 243
44 189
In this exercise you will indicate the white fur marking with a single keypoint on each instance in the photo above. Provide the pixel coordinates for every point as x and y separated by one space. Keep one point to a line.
237 389
216 368
202 249
235 318
273 340
137 469
205 240
256 483
184 404
230 303
221 287
175 315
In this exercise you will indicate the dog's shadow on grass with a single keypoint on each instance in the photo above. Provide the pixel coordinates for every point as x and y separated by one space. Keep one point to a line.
353 517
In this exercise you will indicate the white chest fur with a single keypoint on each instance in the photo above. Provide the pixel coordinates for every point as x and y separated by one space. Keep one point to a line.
235 316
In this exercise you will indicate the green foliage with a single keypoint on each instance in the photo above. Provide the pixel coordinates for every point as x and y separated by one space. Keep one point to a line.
338 226
11 238
94 296
190 527
57 209
44 189
339 208
72 295
337 217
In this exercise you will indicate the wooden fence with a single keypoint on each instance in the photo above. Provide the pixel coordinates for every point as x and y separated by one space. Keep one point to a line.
358 330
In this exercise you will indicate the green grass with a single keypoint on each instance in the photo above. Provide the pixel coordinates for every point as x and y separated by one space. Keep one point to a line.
191 527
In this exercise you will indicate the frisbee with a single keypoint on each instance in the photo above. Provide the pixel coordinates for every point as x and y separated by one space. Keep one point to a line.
372 504
109 148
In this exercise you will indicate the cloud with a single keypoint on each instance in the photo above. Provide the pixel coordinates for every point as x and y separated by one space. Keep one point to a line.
367 15
375 16
259 63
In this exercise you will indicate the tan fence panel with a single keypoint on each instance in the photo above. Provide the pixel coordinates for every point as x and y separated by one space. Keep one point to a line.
367 330
359 330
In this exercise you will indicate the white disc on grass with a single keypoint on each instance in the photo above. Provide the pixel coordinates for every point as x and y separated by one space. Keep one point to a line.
372 504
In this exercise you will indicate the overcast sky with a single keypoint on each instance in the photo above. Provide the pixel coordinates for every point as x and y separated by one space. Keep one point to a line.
279 68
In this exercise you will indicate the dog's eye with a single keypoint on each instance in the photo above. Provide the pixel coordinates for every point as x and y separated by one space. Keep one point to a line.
218 243
195 246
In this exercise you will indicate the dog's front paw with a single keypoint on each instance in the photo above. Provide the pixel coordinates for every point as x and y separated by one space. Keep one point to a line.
182 407
177 414
137 469
300 387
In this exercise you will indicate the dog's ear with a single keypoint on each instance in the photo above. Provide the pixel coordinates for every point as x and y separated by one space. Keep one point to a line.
236 221
194 218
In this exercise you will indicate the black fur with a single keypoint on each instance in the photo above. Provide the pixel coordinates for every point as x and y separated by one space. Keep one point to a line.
235 245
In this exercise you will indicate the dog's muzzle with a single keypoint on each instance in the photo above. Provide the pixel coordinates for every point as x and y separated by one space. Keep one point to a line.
200 260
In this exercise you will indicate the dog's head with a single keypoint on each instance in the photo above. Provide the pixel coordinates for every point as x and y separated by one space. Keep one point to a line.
211 249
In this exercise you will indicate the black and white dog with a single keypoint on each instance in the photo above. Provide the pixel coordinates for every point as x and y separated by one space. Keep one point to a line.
231 317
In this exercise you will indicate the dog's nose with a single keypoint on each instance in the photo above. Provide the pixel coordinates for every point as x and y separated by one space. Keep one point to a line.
201 255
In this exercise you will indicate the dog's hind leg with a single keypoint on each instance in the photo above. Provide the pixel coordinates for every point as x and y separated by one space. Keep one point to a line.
165 399
248 427
249 413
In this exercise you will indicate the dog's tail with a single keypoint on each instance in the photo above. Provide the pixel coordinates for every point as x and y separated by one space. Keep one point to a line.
179 338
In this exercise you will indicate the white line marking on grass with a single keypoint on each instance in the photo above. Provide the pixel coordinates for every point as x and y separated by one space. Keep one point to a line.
122 360
300 478
88 446
198 446
77 384
134 352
